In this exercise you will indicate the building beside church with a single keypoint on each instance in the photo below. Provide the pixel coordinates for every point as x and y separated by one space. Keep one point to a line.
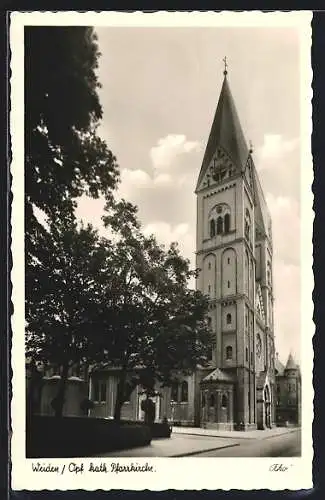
288 392
243 387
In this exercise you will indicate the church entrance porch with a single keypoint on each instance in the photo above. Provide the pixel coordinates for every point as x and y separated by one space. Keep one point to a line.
264 406
216 398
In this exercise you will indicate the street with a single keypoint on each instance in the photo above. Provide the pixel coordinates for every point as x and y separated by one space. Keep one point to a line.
287 445
280 443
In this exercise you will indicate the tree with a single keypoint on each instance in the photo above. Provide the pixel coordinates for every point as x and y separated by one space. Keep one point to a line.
125 302
62 275
64 156
148 322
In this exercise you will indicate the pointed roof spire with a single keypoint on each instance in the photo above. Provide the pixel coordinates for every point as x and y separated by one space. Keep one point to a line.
226 131
291 365
226 66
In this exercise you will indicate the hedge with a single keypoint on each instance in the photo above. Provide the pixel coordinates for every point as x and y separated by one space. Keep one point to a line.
50 437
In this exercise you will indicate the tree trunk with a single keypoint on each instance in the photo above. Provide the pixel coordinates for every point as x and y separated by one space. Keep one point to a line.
59 399
120 395
34 391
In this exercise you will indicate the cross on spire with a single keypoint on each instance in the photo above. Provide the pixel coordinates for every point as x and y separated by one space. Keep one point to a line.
226 65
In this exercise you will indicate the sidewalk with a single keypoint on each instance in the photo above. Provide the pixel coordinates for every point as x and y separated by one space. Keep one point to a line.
254 434
176 446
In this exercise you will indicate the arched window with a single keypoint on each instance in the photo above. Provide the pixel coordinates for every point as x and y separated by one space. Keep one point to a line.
227 223
224 401
219 225
246 351
174 391
212 228
247 225
228 319
212 400
99 391
229 352
184 392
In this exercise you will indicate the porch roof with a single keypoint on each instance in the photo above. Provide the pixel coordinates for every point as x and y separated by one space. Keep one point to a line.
219 376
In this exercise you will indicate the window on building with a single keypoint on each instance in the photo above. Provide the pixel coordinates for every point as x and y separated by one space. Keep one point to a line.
212 228
246 351
99 390
252 359
184 391
247 225
209 265
228 319
219 225
174 391
209 322
76 370
229 352
228 284
203 400
212 400
209 288
228 260
224 401
128 394
227 223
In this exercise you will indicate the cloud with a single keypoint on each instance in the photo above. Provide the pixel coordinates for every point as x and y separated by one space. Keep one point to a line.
287 307
278 164
138 178
275 147
285 213
169 148
167 233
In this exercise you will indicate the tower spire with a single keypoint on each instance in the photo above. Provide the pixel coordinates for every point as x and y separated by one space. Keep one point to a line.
225 72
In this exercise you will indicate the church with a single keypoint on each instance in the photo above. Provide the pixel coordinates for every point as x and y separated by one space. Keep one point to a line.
234 254
244 386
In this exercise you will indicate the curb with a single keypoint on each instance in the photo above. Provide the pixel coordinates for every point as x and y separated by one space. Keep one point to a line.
261 438
279 435
211 436
191 453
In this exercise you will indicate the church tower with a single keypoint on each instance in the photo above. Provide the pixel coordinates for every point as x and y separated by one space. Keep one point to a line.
234 255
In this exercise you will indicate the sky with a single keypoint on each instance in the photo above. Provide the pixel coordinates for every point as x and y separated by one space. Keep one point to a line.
160 88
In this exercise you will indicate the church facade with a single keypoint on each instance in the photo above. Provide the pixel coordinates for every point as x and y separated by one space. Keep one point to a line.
240 387
234 254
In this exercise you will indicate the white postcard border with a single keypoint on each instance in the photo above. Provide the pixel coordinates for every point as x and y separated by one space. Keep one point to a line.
167 473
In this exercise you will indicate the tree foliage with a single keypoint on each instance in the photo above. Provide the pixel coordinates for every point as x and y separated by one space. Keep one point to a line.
64 156
64 159
150 324
125 301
